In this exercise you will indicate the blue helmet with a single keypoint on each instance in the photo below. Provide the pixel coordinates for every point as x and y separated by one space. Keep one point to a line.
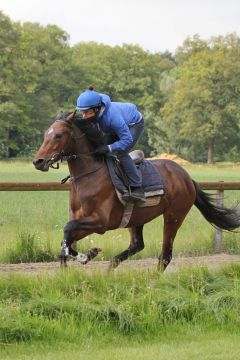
88 99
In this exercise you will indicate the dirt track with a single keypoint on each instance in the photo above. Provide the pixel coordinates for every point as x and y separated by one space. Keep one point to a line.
212 262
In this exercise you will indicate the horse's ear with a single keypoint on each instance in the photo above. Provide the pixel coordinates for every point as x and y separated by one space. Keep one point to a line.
71 116
59 115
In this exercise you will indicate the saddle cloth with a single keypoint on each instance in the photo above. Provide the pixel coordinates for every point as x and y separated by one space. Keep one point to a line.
152 183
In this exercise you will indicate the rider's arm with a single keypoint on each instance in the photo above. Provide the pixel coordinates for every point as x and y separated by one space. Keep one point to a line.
120 128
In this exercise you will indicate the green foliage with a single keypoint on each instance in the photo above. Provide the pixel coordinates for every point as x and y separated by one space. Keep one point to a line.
203 108
33 77
190 100
28 250
46 75
108 307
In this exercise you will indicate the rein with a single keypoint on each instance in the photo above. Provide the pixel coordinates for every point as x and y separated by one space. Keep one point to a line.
74 178
76 156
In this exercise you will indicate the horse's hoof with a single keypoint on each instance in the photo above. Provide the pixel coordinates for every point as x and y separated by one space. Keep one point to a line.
114 264
92 253
63 263
161 267
82 258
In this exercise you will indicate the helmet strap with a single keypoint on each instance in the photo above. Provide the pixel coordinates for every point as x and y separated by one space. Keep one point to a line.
101 110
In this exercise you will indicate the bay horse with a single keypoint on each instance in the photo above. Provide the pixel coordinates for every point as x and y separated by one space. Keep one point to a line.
95 206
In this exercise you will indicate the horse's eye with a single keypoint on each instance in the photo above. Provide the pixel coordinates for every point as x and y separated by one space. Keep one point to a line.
58 136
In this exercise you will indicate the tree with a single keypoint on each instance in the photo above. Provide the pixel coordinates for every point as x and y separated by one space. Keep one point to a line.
204 107
189 47
35 82
12 120
40 74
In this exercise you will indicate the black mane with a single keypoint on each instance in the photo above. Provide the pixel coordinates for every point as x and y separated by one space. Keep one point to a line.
95 136
62 115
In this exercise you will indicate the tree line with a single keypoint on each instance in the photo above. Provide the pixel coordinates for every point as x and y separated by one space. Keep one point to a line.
190 99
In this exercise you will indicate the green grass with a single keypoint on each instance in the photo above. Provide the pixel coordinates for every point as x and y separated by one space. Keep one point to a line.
191 314
40 216
192 346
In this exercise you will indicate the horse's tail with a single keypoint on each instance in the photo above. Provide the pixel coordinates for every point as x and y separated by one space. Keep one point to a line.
222 217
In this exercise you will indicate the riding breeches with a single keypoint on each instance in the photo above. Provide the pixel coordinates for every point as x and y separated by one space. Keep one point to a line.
126 161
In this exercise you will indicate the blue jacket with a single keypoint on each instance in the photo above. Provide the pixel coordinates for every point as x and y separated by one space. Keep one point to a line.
116 119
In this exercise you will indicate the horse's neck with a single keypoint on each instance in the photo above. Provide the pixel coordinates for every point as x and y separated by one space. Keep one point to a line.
84 162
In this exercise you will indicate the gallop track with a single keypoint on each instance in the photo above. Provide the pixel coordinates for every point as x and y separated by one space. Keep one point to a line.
211 261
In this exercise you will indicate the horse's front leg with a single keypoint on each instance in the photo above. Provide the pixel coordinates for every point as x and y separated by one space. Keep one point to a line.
76 230
68 250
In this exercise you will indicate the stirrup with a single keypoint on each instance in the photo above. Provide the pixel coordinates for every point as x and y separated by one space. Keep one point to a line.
138 198
126 196
131 197
138 194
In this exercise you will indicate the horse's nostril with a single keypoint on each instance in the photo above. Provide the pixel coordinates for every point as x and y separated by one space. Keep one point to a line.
38 161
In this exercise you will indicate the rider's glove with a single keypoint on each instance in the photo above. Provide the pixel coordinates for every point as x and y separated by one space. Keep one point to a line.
102 149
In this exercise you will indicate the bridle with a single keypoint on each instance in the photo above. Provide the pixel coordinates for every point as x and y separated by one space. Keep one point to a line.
61 156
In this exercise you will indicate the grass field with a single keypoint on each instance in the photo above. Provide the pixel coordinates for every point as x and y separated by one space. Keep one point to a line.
194 346
31 222
191 314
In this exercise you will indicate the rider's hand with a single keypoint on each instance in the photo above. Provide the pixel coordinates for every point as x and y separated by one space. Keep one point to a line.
102 149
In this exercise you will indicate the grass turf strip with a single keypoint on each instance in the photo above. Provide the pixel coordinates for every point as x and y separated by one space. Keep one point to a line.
194 345
138 305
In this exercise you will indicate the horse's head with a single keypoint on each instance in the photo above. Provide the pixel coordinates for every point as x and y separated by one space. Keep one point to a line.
58 140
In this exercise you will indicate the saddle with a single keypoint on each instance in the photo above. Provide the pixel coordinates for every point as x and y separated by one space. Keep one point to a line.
152 182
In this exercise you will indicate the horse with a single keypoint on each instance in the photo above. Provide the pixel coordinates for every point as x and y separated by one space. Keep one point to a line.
95 206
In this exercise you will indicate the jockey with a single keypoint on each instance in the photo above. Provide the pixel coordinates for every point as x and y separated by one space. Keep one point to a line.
123 120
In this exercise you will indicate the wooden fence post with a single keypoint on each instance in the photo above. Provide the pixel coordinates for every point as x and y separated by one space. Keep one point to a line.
218 232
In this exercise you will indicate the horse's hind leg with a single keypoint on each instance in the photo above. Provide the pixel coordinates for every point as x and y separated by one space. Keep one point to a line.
172 223
136 245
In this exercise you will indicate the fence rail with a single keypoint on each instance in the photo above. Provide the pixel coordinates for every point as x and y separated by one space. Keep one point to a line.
55 186
219 186
33 186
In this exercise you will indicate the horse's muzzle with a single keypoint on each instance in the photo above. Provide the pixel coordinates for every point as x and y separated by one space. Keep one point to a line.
41 164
